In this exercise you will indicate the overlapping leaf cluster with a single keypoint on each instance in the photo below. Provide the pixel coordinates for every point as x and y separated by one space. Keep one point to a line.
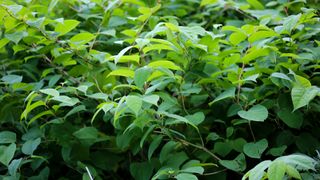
159 89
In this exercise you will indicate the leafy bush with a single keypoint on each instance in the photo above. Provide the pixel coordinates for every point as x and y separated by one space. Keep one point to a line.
159 89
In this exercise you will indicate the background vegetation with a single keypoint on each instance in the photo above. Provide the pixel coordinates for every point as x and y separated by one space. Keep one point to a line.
146 89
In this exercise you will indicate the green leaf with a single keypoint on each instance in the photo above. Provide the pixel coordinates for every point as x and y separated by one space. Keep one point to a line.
292 172
300 162
134 103
301 96
258 171
255 150
52 4
86 133
82 38
7 153
158 47
255 113
16 36
238 164
277 170
15 9
11 79
154 145
152 99
186 176
3 42
228 93
164 64
254 53
261 35
237 37
51 92
141 75
290 22
207 2
66 101
255 4
7 137
14 166
141 171
30 146
197 118
66 26
292 119
166 150
121 53
122 72
36 23
192 166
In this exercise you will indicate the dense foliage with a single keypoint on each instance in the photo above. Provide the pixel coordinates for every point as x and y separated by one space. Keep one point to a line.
159 89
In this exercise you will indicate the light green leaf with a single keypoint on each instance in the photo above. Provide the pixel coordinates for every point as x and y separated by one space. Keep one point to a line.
65 26
262 35
52 4
277 170
152 99
299 161
65 100
36 23
50 91
289 23
258 171
14 166
82 38
16 36
292 172
254 53
228 93
158 47
7 137
11 79
141 75
164 64
255 113
255 4
15 9
192 166
255 150
237 37
3 42
280 75
43 113
197 118
134 103
121 53
122 72
30 146
207 2
301 96
186 176
7 153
